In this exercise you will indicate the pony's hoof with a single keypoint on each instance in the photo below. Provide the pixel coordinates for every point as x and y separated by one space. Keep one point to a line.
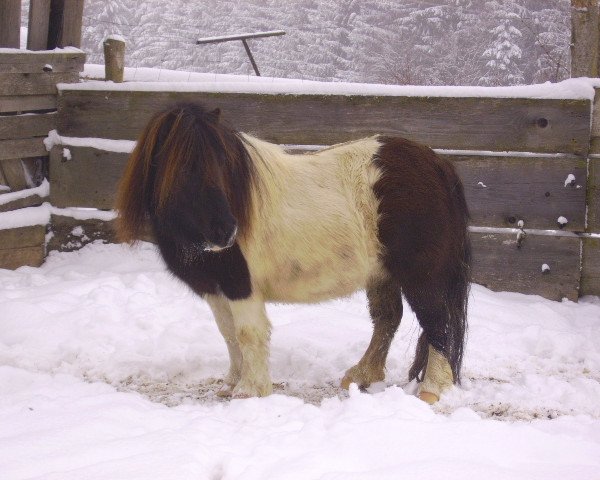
226 391
249 391
428 397
361 377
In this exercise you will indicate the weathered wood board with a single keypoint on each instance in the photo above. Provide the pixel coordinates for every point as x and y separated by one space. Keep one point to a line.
22 246
24 57
89 179
34 83
22 237
499 265
30 201
39 20
42 64
593 195
501 191
528 189
27 103
590 267
509 124
14 258
22 148
24 126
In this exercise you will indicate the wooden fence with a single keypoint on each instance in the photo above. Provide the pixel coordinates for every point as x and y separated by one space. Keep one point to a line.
28 98
536 190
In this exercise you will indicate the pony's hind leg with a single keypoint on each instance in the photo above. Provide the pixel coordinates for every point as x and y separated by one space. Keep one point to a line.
441 338
224 318
385 307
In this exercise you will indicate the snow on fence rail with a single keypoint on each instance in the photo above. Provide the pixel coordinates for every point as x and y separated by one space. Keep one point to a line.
522 154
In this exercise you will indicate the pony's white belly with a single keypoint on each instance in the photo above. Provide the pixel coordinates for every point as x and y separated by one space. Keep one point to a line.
314 281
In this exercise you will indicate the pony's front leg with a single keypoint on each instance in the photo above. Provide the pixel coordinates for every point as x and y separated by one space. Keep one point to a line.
224 318
253 333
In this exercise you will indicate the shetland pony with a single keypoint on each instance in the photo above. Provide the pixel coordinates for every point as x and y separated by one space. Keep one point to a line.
243 223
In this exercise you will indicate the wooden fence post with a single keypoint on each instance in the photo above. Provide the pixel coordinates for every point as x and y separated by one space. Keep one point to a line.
10 23
114 58
39 21
66 20
585 38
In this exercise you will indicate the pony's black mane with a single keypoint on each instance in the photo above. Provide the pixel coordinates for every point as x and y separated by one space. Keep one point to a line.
184 143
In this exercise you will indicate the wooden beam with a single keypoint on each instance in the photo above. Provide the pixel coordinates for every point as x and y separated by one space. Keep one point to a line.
499 265
76 182
27 103
590 267
14 258
34 84
25 126
66 20
22 148
10 23
508 124
584 38
39 21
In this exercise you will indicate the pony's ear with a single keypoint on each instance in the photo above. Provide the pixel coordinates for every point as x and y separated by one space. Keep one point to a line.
216 114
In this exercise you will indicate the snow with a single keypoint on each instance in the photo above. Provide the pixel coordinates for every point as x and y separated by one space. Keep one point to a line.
27 217
41 52
574 88
42 191
108 366
67 154
562 221
117 37
570 180
109 145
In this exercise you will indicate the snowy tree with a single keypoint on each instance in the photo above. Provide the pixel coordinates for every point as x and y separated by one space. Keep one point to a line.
504 52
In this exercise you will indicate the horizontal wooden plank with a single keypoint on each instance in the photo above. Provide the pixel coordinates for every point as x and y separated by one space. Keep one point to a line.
509 124
89 179
528 189
14 258
25 126
22 237
499 265
27 103
22 148
501 191
593 195
30 201
34 83
595 134
48 56
69 234
590 267
44 64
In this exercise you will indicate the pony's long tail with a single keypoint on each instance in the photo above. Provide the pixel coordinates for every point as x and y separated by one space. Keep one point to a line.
456 296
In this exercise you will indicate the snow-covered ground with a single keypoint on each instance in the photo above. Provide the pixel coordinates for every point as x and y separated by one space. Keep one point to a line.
109 368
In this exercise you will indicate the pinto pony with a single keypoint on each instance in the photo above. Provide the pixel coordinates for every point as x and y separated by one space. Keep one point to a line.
243 223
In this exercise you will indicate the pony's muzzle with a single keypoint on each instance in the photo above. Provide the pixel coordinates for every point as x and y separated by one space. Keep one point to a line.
222 238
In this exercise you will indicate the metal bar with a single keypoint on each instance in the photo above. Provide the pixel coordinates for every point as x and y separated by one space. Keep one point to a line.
254 66
243 36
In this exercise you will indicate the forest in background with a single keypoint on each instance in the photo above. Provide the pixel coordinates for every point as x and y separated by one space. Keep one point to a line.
444 42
